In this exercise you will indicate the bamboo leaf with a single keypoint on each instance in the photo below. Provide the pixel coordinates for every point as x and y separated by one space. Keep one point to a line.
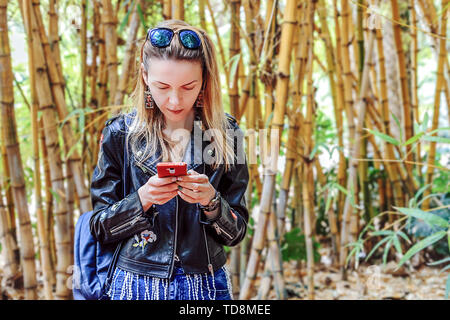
314 150
376 247
444 269
421 245
425 121
386 250
414 139
400 130
437 139
269 120
384 137
141 16
341 188
445 129
397 245
421 190
427 197
435 263
234 61
127 16
404 236
382 233
448 237
428 217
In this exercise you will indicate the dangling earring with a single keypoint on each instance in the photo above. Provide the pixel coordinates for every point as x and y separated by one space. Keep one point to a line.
149 104
199 101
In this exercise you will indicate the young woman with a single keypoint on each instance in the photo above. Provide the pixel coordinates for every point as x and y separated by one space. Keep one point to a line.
172 230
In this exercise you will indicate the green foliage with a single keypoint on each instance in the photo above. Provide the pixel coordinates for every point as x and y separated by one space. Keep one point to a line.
438 224
422 134
293 246
391 238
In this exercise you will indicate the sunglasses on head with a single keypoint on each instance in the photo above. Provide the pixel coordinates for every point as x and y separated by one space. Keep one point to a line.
161 37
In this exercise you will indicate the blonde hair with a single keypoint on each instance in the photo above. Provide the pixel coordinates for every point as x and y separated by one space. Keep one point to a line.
148 124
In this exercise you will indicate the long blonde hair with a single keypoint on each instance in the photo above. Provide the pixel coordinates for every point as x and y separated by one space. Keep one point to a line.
148 124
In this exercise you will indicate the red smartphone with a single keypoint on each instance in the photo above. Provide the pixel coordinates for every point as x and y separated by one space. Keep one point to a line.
171 169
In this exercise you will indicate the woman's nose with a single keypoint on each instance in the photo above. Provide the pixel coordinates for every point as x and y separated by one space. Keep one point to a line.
174 98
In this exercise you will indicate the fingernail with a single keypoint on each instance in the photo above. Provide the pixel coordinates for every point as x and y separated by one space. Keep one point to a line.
180 187
174 179
179 178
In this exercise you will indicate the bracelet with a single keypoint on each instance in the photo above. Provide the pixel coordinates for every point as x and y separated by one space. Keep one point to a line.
213 204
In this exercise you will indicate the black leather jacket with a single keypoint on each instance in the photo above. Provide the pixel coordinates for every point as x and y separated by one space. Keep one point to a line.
176 228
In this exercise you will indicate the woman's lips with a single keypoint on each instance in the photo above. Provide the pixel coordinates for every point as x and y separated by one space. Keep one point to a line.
175 111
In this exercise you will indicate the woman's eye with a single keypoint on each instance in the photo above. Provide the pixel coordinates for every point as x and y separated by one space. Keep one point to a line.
162 88
190 88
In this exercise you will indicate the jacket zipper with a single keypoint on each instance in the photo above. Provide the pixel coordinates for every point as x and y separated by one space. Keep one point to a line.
210 266
128 223
220 230
144 168
175 241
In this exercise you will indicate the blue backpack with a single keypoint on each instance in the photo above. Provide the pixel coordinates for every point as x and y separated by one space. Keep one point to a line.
94 262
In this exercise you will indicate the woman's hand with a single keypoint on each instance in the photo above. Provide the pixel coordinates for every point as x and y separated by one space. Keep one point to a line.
157 191
195 187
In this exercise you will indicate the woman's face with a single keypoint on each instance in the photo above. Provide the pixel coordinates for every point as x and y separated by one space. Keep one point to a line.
174 85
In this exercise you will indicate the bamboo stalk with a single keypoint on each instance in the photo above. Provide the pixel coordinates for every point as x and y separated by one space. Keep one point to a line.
340 93
244 96
363 166
431 21
408 129
7 233
437 100
167 9
44 248
15 159
9 245
219 41
47 107
308 180
83 34
351 182
277 124
414 51
128 60
201 13
48 213
392 168
96 93
109 21
295 120
57 87
347 73
53 38
272 264
235 49
178 9
233 92
9 227
44 231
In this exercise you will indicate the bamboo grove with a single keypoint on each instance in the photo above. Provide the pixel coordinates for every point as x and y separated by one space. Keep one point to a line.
270 63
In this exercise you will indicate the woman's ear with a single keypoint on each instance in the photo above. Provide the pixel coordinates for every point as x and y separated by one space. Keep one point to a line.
144 74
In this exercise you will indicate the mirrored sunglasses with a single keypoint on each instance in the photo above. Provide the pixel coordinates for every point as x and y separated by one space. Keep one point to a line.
161 37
